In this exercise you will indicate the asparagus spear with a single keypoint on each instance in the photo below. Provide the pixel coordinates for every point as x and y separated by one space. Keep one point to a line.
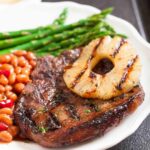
104 12
57 22
56 48
77 39
80 40
12 34
61 19
41 34
57 37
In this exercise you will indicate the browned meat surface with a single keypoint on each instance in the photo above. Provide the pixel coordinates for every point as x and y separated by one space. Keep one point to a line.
51 115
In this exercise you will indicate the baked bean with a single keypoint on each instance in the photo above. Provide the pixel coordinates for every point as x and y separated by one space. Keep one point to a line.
2 89
29 66
7 111
18 87
7 67
20 53
12 78
11 95
22 78
5 136
18 70
25 70
19 65
22 62
30 56
2 59
1 97
5 59
8 93
11 55
14 61
32 63
3 80
13 130
8 88
6 119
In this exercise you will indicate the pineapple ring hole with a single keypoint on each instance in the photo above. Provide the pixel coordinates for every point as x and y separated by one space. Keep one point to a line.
104 66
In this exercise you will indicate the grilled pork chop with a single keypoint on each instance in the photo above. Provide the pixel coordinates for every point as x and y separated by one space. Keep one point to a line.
48 113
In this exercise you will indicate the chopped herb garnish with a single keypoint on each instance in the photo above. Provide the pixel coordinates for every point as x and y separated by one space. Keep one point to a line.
42 110
87 111
42 129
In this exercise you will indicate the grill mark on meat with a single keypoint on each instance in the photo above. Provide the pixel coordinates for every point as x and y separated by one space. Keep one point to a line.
116 109
75 82
26 119
122 42
127 71
52 122
57 99
37 95
110 117
71 109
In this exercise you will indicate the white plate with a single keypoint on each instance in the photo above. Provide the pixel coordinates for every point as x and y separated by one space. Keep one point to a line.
35 14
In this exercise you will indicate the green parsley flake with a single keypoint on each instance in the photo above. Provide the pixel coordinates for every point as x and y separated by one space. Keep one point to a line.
87 111
42 110
42 129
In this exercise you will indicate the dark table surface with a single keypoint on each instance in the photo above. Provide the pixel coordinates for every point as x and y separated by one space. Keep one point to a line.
136 12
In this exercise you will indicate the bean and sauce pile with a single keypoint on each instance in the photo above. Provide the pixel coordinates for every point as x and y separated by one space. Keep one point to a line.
15 72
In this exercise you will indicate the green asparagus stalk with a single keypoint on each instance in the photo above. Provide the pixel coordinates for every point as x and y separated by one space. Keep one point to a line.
80 40
57 22
61 19
13 34
55 49
42 34
77 39
54 38
104 12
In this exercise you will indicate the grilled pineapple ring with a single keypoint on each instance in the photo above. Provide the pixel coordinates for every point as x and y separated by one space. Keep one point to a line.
80 78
